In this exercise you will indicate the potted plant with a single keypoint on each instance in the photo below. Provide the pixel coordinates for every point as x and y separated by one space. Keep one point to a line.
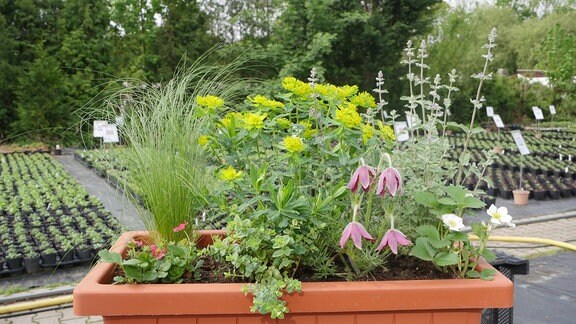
520 195
321 206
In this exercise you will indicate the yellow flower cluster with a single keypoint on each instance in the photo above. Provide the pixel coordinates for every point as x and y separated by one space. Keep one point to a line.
297 87
308 130
253 120
283 122
386 132
203 140
348 116
232 116
210 102
367 132
363 99
265 103
229 174
293 144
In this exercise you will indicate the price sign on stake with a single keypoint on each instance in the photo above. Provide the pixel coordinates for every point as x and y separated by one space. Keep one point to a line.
111 134
498 121
552 110
412 120
490 111
401 131
99 128
538 113
517 135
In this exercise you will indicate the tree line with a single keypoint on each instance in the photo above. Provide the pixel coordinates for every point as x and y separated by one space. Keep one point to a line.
57 56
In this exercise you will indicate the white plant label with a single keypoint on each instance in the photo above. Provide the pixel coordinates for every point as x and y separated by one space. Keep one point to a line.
537 113
111 134
489 111
401 131
385 114
552 109
412 120
517 135
448 112
99 128
498 121
560 157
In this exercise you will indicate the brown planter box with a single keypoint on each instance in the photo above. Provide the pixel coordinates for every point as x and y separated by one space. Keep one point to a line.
409 301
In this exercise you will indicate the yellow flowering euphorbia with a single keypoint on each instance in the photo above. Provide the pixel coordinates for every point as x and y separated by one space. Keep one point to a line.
210 102
253 120
293 144
283 122
363 99
232 116
367 132
297 87
229 174
348 116
265 103
203 140
386 132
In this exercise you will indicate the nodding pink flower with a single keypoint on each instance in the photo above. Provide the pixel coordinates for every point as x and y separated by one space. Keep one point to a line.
392 238
156 252
391 181
180 227
363 176
357 231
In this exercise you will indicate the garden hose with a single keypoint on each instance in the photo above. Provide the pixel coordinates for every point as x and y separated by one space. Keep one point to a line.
560 244
29 305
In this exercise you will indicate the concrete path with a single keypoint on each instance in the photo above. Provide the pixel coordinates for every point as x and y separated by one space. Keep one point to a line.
112 199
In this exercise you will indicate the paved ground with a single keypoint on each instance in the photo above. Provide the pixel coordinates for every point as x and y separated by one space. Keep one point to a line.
546 295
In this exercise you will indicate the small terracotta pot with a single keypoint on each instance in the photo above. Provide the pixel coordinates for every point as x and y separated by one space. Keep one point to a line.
521 197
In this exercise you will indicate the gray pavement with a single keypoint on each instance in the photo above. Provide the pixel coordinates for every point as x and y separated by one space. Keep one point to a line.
546 295
112 199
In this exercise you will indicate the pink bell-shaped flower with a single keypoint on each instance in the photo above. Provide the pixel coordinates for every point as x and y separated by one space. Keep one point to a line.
363 176
357 232
390 181
393 238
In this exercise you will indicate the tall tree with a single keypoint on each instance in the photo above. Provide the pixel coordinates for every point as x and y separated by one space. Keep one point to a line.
40 99
349 41
24 24
136 25
183 35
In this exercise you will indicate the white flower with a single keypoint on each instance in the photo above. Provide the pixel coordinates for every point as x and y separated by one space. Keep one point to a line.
500 216
453 222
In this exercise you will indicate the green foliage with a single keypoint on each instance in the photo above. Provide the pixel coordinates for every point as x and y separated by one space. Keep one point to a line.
165 262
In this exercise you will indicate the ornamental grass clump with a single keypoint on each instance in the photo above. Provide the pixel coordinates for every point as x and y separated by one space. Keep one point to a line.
315 184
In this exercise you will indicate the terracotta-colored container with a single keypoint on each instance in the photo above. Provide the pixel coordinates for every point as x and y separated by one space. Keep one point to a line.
400 302
521 197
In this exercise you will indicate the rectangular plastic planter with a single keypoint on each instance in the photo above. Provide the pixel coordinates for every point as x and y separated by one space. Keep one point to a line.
408 301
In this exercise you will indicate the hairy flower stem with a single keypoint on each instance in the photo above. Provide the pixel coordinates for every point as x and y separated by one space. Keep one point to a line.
422 90
482 77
